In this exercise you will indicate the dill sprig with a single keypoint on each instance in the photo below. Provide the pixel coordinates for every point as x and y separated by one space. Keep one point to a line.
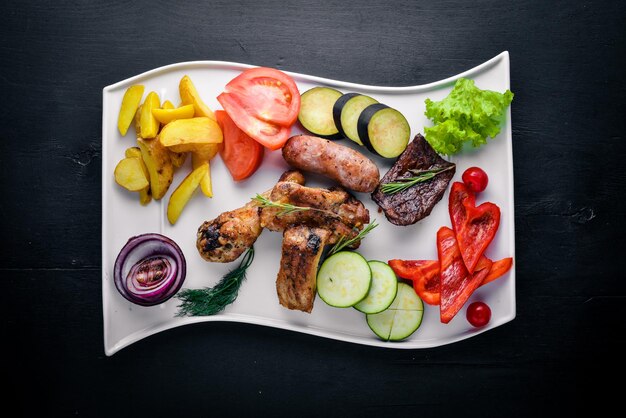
405 183
343 242
211 300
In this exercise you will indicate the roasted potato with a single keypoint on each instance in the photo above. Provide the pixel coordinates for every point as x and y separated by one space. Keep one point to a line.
182 194
166 116
205 182
178 158
144 194
159 163
149 124
185 135
130 175
130 103
189 95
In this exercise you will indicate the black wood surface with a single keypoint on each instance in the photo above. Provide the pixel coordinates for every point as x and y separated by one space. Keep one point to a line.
567 71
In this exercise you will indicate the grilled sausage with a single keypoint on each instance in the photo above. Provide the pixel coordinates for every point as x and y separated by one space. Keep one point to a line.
348 167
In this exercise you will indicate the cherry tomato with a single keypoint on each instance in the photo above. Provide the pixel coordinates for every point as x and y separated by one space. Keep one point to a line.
475 179
478 314
242 155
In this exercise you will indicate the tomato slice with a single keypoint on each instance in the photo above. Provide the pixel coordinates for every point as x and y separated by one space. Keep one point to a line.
267 134
268 94
241 154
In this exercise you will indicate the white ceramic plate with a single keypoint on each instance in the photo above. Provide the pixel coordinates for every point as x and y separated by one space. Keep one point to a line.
123 217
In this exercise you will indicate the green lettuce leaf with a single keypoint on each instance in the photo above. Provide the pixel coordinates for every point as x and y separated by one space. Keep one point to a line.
467 114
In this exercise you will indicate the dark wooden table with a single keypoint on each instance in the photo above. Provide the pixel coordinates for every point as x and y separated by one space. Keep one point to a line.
567 71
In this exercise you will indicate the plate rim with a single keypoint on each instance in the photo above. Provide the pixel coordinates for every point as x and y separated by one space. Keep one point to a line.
111 349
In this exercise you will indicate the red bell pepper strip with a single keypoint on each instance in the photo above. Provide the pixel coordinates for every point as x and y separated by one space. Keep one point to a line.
457 284
425 274
474 226
498 269
425 277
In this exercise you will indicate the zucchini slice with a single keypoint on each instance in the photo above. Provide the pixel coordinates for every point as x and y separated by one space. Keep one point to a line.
401 319
383 130
347 111
316 112
383 290
344 279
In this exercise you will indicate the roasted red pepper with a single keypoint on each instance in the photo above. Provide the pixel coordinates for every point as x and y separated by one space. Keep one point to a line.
425 277
474 226
498 269
457 284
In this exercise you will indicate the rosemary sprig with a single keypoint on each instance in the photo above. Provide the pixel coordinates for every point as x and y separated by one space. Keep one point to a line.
343 242
405 183
211 300
288 208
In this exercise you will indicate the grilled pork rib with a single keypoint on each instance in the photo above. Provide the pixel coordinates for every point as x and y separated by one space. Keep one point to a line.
301 253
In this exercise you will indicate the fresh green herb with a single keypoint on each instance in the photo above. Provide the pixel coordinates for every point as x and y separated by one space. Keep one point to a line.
211 300
467 114
287 208
343 242
407 182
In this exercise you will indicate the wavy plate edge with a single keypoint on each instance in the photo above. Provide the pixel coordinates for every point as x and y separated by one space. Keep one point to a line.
111 349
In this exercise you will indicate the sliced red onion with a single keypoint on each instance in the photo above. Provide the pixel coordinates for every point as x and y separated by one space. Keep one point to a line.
149 269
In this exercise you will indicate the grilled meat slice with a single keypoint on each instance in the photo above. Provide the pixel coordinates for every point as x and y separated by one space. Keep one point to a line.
226 237
415 203
333 209
301 252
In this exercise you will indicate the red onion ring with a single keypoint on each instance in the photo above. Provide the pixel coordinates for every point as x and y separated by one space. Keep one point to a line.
149 269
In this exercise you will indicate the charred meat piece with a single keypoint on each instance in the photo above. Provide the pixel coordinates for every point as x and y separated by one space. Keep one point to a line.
333 209
226 237
415 203
301 252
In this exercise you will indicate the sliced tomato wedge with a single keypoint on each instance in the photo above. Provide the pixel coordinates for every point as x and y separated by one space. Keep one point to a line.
267 134
241 154
267 94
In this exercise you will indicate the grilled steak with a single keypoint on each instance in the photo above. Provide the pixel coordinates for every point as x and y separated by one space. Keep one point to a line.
416 202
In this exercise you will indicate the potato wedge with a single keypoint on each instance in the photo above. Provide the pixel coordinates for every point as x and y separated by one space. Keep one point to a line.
159 163
149 124
144 194
178 158
182 194
166 116
205 183
138 121
206 152
130 103
189 95
129 174
185 135
167 105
